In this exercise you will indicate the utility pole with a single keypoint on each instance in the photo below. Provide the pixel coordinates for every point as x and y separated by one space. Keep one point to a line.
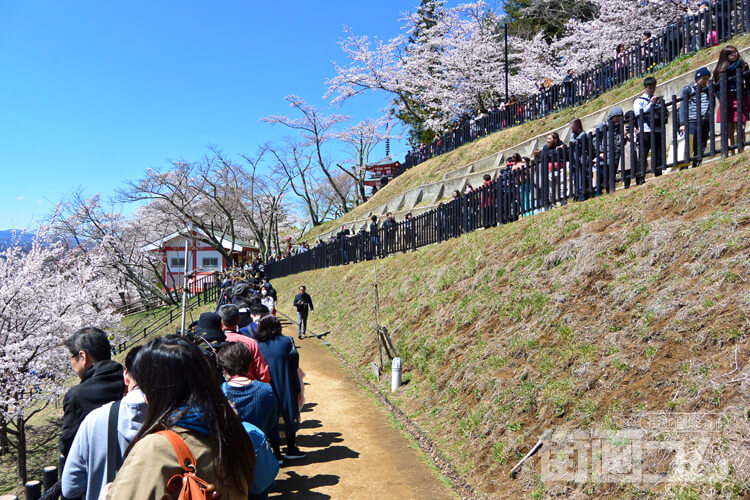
185 282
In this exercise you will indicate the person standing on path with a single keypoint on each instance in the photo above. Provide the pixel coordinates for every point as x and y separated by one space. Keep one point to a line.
257 366
283 360
303 303
101 380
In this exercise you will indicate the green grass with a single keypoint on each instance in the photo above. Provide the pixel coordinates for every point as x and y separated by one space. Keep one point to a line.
499 347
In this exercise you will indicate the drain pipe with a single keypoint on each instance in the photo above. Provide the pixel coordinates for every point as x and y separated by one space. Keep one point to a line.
395 374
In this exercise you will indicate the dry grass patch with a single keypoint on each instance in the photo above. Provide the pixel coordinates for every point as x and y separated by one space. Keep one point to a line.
580 317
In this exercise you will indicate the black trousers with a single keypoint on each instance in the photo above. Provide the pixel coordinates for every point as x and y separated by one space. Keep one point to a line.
705 132
657 160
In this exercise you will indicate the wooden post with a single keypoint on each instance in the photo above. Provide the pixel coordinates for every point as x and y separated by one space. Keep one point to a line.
50 477
33 490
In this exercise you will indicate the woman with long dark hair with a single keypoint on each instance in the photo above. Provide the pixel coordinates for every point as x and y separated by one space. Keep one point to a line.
729 62
283 360
184 396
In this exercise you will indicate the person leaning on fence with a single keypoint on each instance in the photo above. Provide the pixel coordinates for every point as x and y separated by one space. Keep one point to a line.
87 468
303 303
341 238
389 225
578 169
90 356
601 145
555 162
729 62
410 241
374 237
569 87
488 201
694 114
652 116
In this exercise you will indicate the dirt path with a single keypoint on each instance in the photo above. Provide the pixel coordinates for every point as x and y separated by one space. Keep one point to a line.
352 450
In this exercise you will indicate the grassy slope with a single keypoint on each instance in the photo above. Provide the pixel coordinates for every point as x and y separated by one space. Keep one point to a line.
579 316
433 170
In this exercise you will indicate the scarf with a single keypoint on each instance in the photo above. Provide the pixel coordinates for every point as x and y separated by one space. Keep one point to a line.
191 419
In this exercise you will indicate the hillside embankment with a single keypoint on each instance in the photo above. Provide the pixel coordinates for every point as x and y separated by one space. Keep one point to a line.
586 317
433 169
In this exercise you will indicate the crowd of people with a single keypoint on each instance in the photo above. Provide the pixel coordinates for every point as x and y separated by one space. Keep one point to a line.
226 394
707 25
625 148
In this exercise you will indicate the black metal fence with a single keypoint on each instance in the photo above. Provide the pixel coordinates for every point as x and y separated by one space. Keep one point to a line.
620 152
203 289
716 24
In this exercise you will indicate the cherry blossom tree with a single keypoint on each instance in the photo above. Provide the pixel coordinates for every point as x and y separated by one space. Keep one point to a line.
191 194
588 43
315 129
46 292
87 223
362 138
435 72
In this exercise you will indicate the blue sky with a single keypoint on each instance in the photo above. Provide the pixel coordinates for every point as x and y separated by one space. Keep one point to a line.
94 92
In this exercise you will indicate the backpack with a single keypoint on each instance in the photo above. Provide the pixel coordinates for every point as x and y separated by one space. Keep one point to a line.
266 463
657 116
187 484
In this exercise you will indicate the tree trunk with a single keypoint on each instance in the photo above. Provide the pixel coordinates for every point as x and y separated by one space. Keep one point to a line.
4 442
21 449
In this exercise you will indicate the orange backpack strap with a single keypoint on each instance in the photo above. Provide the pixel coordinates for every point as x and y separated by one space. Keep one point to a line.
184 455
187 484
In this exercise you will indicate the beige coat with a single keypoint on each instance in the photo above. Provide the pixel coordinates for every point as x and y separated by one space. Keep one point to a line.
151 463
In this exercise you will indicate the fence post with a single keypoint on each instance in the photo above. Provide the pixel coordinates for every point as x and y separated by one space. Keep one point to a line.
741 96
50 477
33 490
723 101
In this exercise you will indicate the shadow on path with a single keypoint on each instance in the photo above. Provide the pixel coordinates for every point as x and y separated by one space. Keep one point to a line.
319 439
297 486
310 424
323 455
308 406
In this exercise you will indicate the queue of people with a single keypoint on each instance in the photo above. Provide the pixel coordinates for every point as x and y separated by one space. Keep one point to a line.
223 395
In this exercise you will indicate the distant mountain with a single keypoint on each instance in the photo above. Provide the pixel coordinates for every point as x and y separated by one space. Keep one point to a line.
6 238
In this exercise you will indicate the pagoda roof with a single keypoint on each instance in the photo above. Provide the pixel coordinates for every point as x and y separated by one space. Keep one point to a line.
384 163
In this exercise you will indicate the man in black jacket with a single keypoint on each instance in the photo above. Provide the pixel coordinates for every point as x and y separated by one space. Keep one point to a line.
303 303
101 380
389 225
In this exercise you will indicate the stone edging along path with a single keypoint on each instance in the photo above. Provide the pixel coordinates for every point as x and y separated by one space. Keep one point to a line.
460 486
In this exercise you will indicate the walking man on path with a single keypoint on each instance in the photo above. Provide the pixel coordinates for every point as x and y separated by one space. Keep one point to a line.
303 303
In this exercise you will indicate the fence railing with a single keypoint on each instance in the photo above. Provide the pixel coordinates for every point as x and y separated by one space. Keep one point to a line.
204 289
620 152
712 26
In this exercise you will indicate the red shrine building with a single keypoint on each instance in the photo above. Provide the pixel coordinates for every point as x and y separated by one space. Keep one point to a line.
386 167
203 260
